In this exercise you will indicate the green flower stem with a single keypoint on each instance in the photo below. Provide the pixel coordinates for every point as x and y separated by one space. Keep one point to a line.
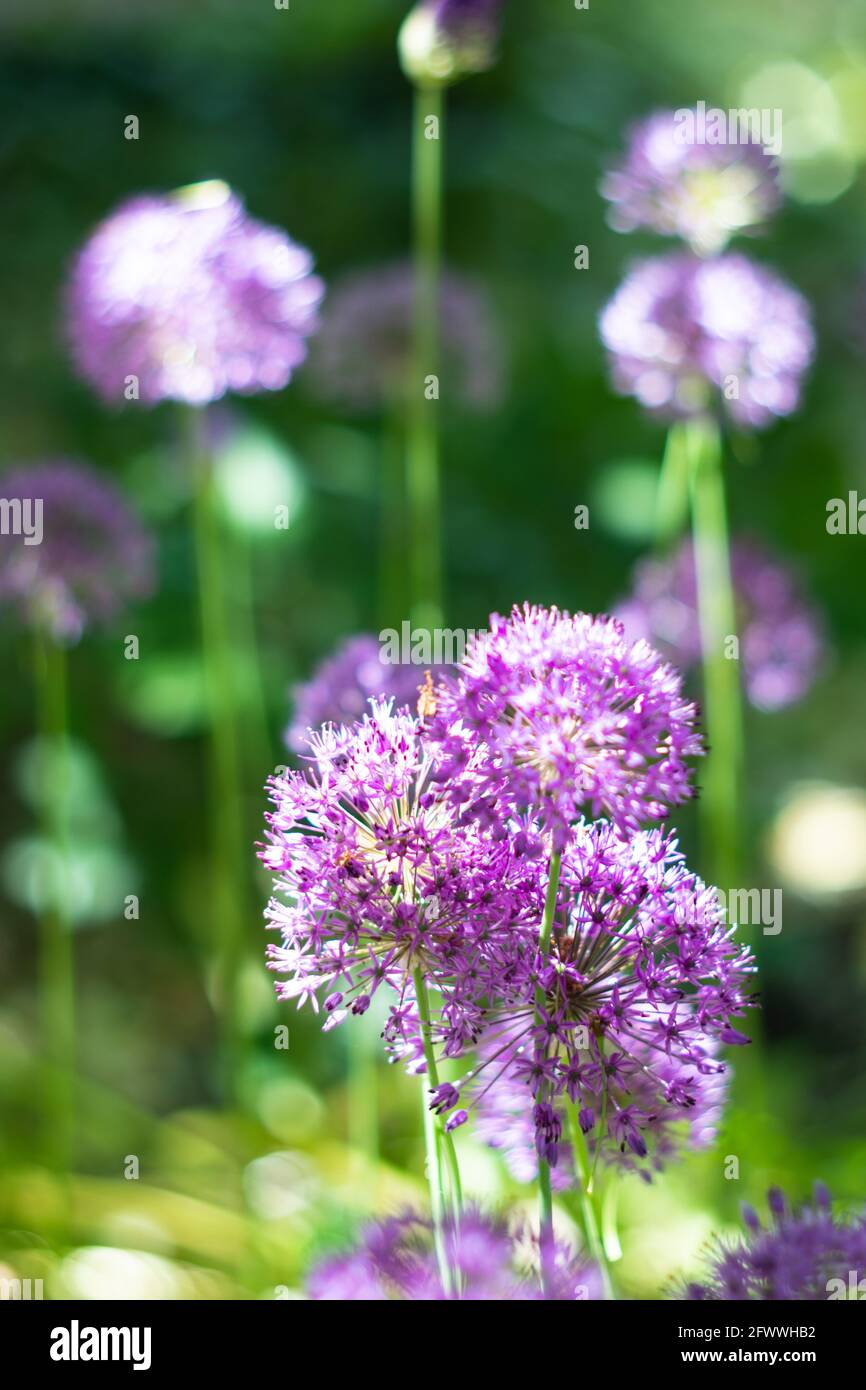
672 496
392 520
719 805
440 1144
587 1192
227 874
422 472
56 968
545 1194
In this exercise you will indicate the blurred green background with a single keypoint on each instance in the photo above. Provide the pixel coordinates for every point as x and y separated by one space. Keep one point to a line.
306 114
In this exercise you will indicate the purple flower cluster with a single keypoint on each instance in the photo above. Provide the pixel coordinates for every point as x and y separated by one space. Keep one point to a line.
802 1255
376 878
88 557
185 297
394 1261
703 193
362 358
683 333
781 639
340 690
639 985
429 844
572 717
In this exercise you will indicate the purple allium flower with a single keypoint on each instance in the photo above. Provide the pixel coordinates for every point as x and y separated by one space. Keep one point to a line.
376 877
801 1255
637 992
504 1119
673 183
340 690
82 554
395 1261
362 358
781 638
572 717
683 333
187 297
442 41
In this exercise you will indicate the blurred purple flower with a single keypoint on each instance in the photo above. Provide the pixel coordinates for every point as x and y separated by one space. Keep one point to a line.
683 333
93 555
802 1255
442 41
185 297
340 689
362 358
781 635
572 718
703 193
395 1261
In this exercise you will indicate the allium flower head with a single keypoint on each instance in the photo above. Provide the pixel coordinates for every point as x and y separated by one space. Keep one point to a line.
683 334
639 987
572 717
340 690
442 41
362 358
670 1125
92 555
395 1261
375 878
190 298
801 1255
673 183
781 640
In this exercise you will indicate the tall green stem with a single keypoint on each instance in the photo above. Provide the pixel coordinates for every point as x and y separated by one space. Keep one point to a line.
56 968
545 1192
227 828
440 1144
587 1193
672 496
720 801
422 476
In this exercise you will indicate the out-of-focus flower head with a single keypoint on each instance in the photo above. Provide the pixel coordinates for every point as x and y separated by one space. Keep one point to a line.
572 717
362 358
674 182
780 632
395 1261
803 1255
73 553
376 878
622 1018
184 297
442 41
340 690
684 335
